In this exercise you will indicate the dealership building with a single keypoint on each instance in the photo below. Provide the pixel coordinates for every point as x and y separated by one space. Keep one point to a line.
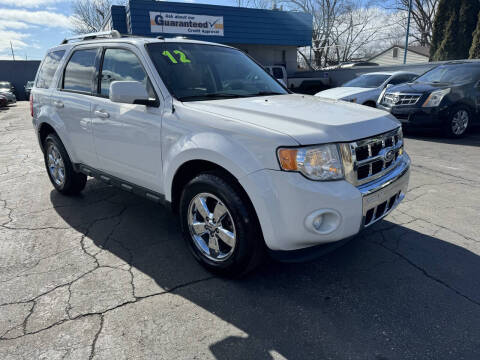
270 36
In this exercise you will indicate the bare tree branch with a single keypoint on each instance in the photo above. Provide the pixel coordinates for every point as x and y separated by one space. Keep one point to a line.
89 15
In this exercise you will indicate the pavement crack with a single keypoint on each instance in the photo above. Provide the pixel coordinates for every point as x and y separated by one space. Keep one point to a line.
424 271
94 343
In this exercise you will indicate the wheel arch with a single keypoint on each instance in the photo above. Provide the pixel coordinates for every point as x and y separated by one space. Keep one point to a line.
44 129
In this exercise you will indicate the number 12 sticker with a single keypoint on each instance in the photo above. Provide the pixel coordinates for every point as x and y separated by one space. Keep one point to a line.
183 57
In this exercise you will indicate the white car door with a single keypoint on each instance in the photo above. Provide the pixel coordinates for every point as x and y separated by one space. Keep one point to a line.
127 136
72 103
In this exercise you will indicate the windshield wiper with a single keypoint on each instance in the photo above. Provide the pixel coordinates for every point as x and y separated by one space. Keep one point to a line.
218 95
265 93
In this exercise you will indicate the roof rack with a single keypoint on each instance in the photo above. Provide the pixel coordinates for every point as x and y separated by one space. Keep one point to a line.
103 34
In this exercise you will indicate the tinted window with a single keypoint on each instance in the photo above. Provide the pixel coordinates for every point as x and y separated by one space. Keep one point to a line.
80 71
194 72
401 79
457 73
367 81
277 73
48 69
122 65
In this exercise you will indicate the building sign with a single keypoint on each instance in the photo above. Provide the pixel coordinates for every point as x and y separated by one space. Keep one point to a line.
188 24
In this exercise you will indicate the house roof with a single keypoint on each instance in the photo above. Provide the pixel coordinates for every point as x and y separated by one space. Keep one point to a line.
417 49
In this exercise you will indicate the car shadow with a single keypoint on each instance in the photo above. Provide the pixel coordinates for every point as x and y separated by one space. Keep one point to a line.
472 138
390 293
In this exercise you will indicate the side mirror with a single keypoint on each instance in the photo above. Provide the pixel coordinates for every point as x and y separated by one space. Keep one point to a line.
388 86
129 92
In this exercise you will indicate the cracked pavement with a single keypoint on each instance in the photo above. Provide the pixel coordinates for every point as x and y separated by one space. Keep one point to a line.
106 275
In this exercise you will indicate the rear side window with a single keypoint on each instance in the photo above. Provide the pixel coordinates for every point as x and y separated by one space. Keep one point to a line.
48 69
80 71
277 73
122 65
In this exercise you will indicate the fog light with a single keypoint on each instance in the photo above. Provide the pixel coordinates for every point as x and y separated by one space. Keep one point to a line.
323 221
317 222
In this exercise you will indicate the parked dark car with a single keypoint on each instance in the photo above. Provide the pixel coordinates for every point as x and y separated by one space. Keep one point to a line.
28 89
7 90
3 101
446 97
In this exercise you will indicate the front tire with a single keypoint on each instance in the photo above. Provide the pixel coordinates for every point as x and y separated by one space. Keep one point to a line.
458 123
220 226
60 169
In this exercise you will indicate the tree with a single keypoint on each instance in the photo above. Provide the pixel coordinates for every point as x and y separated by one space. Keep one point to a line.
345 29
453 29
475 48
89 15
423 15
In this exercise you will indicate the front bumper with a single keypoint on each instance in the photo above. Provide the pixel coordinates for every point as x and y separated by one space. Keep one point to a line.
287 203
414 116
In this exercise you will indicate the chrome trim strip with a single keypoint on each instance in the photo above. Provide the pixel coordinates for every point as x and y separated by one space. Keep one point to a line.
388 179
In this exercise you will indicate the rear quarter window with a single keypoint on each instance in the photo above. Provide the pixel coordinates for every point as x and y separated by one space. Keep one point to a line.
48 69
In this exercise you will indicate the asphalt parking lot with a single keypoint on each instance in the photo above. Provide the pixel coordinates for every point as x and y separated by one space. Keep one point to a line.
107 276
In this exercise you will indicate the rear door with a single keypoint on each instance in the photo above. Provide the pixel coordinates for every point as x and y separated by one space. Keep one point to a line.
72 103
127 136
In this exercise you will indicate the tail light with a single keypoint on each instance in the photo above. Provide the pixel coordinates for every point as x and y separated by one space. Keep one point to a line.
31 105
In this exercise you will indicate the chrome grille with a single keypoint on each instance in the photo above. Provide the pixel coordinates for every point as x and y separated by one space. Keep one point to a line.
368 159
397 99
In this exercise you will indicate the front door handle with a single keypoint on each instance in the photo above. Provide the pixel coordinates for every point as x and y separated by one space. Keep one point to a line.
58 104
102 114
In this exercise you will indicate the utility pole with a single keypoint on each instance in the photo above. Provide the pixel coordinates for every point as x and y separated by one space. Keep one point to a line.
408 32
11 47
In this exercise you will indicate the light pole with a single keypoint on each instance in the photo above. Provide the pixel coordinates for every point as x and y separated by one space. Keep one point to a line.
408 32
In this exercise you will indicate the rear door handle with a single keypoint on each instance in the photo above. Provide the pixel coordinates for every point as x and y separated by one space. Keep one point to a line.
102 114
58 104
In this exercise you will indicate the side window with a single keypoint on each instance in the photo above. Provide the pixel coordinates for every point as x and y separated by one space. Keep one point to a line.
122 65
80 71
277 73
399 79
48 69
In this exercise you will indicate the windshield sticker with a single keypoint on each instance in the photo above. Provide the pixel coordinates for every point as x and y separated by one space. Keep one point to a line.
183 58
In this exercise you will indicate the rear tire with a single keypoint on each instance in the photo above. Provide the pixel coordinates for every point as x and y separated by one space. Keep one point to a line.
220 226
458 123
60 169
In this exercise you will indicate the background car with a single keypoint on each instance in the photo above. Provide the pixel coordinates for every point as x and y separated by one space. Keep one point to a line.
3 101
7 90
445 97
28 88
366 88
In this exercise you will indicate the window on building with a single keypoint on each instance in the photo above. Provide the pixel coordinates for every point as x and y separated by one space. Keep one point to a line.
80 71
395 52
48 69
122 65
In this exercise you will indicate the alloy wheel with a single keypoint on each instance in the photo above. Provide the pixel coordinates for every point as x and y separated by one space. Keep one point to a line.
56 167
211 227
460 122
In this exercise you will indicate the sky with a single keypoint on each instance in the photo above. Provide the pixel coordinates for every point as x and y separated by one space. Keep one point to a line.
34 26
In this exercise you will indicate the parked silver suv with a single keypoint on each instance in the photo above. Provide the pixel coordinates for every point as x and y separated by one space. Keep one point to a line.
247 165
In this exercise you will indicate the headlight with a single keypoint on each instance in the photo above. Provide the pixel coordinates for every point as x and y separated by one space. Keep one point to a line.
380 98
320 162
436 98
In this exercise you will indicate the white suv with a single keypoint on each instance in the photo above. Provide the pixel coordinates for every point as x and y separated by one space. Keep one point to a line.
246 164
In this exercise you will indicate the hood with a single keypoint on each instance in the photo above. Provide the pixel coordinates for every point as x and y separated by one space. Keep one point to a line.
341 92
419 88
307 119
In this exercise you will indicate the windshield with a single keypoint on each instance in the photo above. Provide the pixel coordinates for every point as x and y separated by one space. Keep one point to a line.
451 74
367 81
5 85
194 72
